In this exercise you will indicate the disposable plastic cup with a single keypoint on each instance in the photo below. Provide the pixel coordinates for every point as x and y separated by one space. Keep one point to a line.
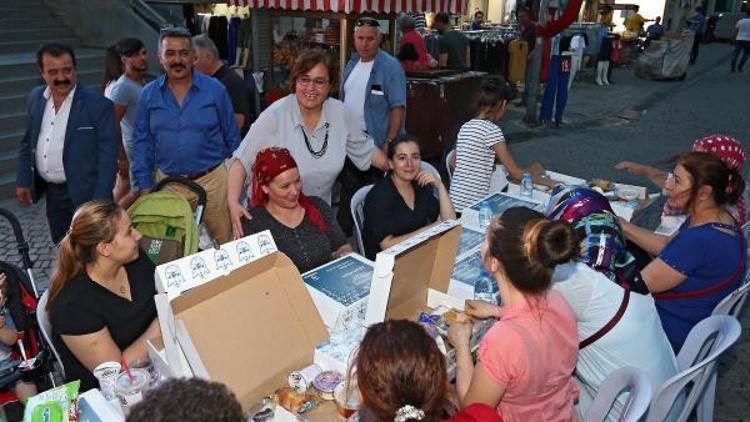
346 398
130 390
149 367
106 373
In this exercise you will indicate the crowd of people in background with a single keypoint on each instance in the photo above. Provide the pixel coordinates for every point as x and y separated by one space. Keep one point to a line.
92 155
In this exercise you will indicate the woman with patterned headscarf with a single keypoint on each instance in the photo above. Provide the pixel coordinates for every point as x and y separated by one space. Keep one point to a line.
633 326
730 150
304 228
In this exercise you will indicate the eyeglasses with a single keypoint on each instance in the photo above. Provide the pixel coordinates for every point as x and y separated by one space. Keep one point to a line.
319 83
367 22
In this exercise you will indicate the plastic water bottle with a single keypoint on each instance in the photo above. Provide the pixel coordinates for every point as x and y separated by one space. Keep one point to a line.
527 185
485 214
485 288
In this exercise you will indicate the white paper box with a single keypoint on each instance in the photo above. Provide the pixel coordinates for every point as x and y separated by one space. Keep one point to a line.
93 407
340 290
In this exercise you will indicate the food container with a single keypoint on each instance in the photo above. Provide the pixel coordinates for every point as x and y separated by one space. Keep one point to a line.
326 383
106 373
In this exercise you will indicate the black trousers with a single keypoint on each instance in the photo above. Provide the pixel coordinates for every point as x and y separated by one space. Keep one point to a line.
60 210
696 47
351 179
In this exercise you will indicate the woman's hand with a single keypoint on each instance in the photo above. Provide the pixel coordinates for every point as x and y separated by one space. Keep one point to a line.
426 178
459 334
236 212
633 168
481 309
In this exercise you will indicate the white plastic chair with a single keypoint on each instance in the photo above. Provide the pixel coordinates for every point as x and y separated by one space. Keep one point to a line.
623 380
448 159
732 304
46 327
425 166
696 362
357 206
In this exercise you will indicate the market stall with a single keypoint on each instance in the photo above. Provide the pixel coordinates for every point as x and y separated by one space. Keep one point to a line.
282 29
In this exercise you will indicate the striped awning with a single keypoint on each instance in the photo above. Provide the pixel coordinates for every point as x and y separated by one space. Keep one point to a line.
455 7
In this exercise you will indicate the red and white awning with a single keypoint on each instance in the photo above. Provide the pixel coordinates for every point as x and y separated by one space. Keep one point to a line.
455 7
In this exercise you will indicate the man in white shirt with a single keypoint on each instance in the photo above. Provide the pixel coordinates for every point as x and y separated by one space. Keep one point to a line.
68 151
374 91
742 42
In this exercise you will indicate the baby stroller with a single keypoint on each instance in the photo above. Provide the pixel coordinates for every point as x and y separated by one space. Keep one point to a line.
166 221
22 299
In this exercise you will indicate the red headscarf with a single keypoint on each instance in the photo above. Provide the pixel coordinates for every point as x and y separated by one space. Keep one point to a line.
269 163
732 153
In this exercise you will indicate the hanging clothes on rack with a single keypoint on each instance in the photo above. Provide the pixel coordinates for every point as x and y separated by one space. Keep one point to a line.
556 87
519 58
577 46
218 31
232 41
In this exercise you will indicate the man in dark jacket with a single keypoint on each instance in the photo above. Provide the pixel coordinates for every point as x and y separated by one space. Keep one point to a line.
69 151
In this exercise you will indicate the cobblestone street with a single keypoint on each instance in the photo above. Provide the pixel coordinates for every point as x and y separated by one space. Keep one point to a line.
637 120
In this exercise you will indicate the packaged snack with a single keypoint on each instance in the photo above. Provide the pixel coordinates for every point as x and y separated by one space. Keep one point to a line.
455 316
55 405
294 401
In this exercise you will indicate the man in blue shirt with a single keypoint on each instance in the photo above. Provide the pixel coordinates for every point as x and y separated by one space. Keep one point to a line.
656 30
185 127
696 24
374 90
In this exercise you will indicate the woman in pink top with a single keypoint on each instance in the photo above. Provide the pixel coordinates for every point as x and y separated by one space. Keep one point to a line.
526 359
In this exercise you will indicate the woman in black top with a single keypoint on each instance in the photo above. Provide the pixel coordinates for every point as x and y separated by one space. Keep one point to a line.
303 228
101 298
403 203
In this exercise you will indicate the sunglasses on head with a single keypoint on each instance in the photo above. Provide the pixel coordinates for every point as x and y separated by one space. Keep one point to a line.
367 22
179 31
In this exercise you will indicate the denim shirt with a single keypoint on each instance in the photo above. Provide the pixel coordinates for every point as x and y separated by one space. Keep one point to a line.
187 139
387 90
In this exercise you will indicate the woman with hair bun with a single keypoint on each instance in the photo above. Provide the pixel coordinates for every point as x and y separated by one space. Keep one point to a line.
705 260
101 297
526 360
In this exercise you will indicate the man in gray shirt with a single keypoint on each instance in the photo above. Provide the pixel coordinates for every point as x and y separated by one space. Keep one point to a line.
453 45
125 93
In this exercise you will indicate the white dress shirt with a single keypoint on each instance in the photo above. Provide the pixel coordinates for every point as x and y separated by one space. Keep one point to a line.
49 145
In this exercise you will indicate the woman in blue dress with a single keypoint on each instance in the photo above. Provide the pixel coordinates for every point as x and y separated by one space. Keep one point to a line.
705 260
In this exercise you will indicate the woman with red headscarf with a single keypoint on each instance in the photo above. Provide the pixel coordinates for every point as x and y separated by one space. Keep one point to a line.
304 228
705 260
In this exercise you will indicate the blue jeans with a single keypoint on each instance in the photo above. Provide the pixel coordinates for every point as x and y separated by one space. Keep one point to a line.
556 89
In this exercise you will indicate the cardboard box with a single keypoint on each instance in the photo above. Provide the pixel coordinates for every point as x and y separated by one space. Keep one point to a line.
191 271
340 289
248 329
414 275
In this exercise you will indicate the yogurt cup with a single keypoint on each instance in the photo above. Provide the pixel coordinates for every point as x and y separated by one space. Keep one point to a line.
106 373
